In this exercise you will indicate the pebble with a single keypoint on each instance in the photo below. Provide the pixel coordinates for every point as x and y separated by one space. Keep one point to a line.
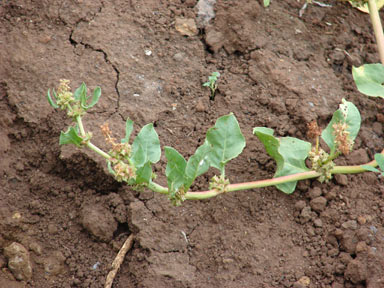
54 264
318 204
35 247
318 222
200 107
351 224
306 213
18 261
186 27
361 220
341 179
361 247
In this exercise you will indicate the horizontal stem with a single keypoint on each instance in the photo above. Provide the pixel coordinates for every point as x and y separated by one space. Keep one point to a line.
279 180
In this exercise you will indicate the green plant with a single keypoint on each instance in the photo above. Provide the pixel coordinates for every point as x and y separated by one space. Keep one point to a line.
131 161
212 84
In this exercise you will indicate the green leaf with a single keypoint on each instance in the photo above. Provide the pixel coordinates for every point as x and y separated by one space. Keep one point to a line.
206 84
95 98
347 113
50 100
146 146
380 160
215 74
266 3
81 93
369 79
197 164
128 131
144 174
226 141
71 136
175 169
288 152
370 168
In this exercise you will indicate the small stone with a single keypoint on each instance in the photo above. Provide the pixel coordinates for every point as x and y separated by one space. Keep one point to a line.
318 222
341 179
351 224
18 261
179 57
54 264
338 233
35 247
303 281
186 27
299 205
361 247
318 204
361 220
314 193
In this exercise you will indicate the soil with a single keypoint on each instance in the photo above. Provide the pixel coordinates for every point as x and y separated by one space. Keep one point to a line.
278 70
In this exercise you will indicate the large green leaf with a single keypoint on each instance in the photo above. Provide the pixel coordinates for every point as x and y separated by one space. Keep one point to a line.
71 136
226 141
146 146
197 164
144 173
175 169
289 154
369 79
128 131
347 113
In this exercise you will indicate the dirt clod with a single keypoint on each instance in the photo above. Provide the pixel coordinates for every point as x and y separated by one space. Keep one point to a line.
99 222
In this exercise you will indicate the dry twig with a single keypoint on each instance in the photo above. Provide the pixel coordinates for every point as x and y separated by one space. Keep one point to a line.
118 261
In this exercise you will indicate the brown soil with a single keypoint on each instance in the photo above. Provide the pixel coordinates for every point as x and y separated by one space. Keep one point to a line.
277 70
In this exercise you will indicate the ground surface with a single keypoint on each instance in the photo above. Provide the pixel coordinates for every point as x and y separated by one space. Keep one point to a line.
277 70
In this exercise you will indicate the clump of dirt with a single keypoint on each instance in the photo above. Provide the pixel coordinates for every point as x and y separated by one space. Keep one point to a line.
277 70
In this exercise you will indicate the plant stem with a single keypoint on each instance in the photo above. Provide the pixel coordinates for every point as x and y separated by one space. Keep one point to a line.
377 28
80 124
98 150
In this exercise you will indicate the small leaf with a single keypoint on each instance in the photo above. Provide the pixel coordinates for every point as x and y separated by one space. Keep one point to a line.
128 131
71 136
369 79
226 141
95 99
266 3
353 121
288 152
50 100
144 174
216 74
81 93
146 146
175 169
206 84
380 160
197 164
370 168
